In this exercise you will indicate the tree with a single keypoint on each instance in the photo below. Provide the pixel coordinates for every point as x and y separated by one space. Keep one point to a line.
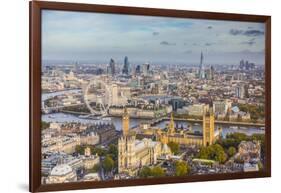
260 165
213 152
234 139
44 125
203 153
231 151
145 172
79 149
157 172
99 151
261 138
256 112
218 153
181 168
174 147
113 151
108 164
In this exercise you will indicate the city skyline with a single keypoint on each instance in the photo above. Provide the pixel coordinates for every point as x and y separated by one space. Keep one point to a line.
98 37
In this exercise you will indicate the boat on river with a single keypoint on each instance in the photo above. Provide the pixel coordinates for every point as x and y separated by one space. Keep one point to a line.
83 116
243 128
106 119
233 127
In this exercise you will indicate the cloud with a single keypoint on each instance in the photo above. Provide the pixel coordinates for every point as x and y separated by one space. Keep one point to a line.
250 32
249 42
253 33
165 43
235 32
155 33
209 44
210 27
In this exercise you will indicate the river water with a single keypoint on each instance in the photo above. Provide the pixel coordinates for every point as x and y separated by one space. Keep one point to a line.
45 96
63 117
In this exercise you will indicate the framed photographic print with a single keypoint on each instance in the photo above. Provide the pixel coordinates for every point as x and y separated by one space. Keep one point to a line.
124 96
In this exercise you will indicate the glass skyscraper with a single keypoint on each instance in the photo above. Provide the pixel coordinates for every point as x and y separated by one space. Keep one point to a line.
126 68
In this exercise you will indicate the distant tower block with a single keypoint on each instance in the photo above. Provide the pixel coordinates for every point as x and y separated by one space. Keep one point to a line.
208 127
201 67
87 152
112 67
125 122
126 68
172 125
212 73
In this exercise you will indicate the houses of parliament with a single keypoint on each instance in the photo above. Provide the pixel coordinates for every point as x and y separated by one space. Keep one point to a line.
187 137
134 153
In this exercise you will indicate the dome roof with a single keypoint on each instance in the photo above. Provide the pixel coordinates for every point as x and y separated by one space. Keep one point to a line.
61 170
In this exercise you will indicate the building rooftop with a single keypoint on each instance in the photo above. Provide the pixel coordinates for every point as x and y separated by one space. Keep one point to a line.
61 170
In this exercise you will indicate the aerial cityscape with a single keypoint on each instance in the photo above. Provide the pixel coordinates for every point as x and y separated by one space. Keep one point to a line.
131 97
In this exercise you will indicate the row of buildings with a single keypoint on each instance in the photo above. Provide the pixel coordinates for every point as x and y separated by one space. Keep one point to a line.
59 167
222 109
65 138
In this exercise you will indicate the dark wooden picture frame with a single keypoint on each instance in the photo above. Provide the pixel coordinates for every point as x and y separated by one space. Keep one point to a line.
35 93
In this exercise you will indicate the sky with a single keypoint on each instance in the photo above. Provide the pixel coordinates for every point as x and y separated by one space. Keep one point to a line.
97 37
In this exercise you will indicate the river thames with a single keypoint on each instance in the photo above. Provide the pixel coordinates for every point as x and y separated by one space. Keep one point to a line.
65 117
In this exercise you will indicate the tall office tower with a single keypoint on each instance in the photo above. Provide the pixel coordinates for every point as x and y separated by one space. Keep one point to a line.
201 68
76 67
240 91
145 68
111 69
138 69
212 73
241 65
126 68
208 127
